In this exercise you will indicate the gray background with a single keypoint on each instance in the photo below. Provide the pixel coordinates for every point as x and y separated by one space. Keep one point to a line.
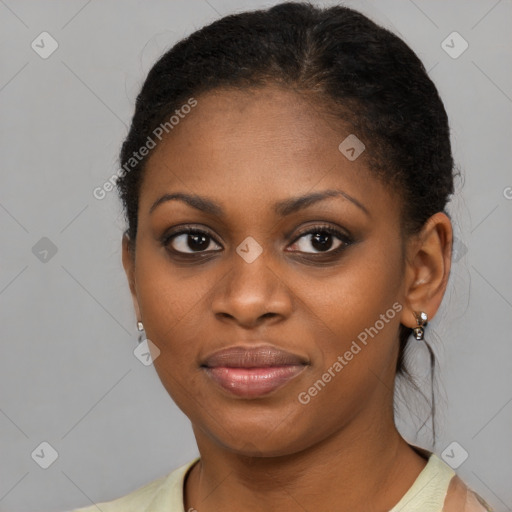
68 375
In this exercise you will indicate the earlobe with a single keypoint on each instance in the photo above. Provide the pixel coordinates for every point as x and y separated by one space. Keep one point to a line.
129 268
428 264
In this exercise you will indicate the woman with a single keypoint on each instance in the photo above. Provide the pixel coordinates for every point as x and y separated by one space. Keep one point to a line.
285 180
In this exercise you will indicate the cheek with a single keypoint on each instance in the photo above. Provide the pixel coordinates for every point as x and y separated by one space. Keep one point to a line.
172 307
354 296
172 302
355 360
357 313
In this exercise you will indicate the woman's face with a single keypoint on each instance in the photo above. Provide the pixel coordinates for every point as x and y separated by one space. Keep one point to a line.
253 277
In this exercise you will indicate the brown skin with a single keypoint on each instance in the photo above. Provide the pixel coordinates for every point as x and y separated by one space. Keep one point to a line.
246 151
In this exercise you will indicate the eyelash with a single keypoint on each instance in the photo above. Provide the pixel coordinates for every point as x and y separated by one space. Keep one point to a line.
188 230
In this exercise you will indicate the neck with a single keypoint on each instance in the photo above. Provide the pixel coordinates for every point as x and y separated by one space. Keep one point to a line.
372 465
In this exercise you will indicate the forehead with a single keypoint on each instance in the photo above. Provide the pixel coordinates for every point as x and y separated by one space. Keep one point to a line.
230 124
258 143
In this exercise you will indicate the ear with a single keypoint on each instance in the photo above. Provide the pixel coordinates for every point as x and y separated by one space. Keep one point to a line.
428 263
129 268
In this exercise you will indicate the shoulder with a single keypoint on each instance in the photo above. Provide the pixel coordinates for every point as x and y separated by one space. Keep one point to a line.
461 498
153 496
439 489
134 501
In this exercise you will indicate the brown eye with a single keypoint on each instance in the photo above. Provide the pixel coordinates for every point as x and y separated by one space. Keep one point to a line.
190 241
322 239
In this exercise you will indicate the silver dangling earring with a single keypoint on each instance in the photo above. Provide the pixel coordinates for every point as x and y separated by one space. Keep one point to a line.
421 319
140 328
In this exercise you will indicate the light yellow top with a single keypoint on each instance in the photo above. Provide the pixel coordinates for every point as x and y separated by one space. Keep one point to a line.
428 491
427 494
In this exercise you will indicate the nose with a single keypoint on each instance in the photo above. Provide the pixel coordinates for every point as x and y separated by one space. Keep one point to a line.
252 293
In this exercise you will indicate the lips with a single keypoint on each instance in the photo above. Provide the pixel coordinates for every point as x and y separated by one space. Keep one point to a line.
252 372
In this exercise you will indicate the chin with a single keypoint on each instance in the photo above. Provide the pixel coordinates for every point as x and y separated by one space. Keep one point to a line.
257 434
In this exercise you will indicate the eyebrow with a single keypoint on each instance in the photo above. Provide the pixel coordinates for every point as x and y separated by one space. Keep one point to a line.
282 208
